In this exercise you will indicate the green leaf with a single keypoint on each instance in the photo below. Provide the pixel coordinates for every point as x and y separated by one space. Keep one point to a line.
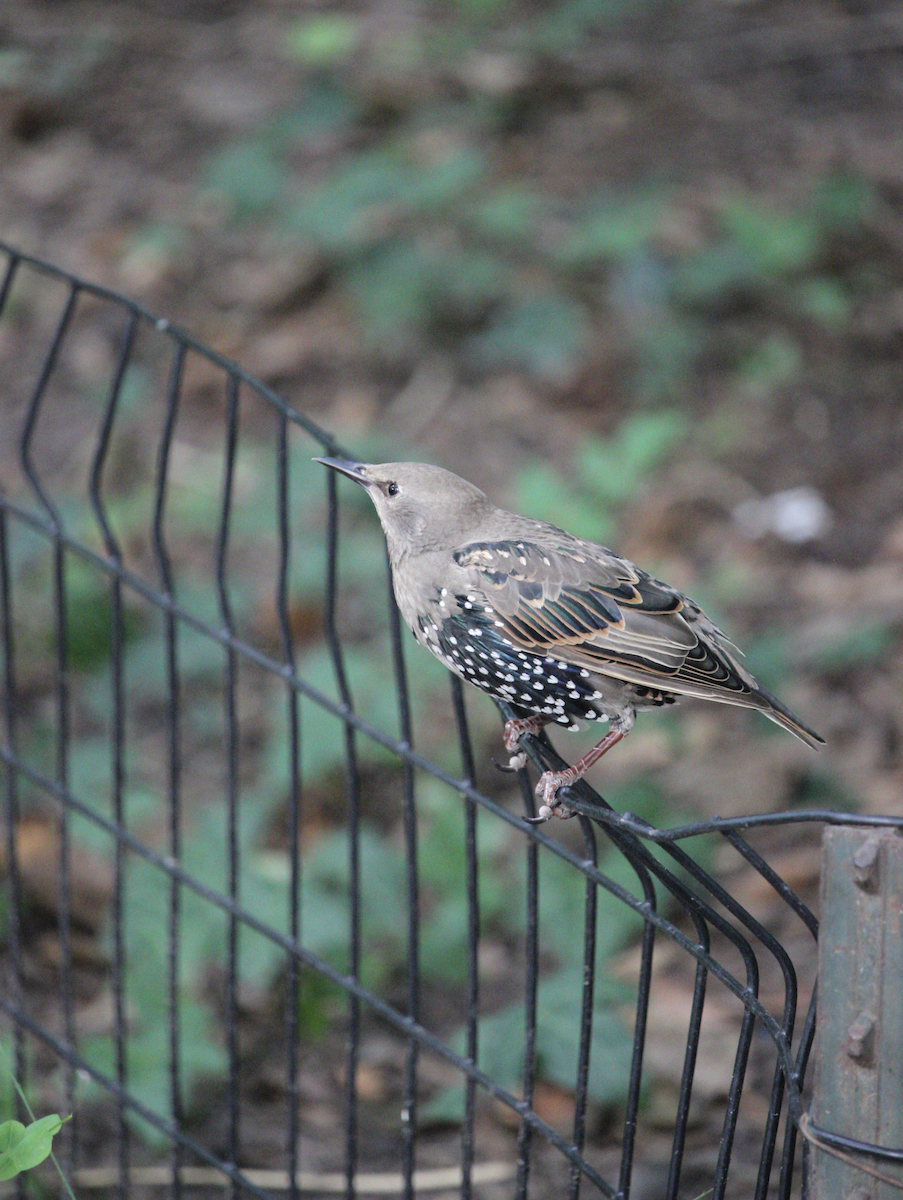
363 200
323 108
608 472
462 283
10 1134
249 176
546 334
402 287
89 617
777 360
509 214
388 289
713 273
14 66
776 243
323 41
546 495
22 1148
825 300
664 351
844 200
616 468
613 231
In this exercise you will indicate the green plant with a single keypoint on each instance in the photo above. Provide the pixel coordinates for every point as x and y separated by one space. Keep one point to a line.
23 1147
607 473
420 228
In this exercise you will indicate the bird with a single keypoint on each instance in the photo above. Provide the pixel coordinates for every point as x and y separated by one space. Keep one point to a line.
561 629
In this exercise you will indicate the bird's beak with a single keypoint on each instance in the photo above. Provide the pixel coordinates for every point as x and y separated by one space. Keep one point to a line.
353 470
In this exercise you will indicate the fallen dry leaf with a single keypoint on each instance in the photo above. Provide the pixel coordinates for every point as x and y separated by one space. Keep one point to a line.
90 877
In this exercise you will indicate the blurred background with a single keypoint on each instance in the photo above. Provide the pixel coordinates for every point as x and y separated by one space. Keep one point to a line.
633 267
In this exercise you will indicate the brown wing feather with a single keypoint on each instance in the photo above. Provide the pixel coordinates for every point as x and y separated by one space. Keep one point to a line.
590 607
587 606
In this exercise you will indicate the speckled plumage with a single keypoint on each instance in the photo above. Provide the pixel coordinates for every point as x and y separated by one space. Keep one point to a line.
562 629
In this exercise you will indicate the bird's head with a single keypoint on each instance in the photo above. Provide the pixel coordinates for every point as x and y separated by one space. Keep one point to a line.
422 508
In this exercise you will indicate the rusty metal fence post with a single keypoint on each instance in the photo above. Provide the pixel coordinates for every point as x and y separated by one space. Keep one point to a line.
858 1095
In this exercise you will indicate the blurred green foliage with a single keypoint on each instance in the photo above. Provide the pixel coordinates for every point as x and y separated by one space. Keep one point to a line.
434 242
606 474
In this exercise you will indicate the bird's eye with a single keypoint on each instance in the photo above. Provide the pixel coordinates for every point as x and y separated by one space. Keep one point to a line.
392 489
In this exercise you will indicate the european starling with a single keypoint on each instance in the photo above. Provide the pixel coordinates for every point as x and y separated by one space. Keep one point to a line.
561 629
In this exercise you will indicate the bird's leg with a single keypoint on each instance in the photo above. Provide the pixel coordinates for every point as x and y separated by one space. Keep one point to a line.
551 781
514 731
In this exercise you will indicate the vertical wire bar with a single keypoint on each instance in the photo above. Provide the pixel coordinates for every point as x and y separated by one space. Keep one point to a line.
28 428
772 1120
697 909
473 939
581 1086
173 737
354 836
409 1102
777 1092
682 1116
61 637
232 735
732 1109
632 1105
788 1157
118 962
9 275
531 984
645 866
293 973
10 708
61 698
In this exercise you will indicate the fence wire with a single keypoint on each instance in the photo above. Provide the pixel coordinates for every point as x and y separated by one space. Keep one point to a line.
93 369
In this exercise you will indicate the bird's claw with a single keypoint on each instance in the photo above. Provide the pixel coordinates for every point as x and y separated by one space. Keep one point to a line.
543 813
546 812
516 763
547 791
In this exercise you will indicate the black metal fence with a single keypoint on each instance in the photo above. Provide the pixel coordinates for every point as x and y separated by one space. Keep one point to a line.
144 678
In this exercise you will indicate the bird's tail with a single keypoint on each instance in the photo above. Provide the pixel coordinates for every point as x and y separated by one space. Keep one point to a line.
781 715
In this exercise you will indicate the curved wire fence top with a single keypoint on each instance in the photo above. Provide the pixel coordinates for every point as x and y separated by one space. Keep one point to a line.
272 855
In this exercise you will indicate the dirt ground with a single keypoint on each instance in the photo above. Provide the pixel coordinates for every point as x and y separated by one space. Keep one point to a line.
112 120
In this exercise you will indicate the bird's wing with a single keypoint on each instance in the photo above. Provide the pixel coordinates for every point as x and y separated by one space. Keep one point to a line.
585 605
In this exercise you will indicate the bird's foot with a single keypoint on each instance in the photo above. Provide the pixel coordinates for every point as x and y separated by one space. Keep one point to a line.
547 792
551 781
514 731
